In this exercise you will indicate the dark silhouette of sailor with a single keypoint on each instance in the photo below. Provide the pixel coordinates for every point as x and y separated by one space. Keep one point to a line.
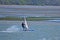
23 25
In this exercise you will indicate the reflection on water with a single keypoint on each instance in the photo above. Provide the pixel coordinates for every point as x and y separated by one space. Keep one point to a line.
44 30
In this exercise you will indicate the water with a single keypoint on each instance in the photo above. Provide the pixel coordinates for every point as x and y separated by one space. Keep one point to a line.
43 30
40 11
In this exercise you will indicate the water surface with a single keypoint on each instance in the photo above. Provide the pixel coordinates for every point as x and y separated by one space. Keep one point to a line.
43 30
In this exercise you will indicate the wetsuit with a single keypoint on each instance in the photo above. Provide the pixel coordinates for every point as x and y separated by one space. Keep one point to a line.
23 26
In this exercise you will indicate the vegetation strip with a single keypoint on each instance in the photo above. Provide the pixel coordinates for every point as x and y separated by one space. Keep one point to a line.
28 18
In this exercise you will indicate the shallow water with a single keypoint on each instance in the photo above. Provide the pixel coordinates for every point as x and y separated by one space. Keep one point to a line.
43 30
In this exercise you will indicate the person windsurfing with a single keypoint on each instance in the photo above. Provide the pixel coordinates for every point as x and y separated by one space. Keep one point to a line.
23 25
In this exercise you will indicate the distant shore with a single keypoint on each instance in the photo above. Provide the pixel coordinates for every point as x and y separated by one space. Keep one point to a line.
29 18
30 6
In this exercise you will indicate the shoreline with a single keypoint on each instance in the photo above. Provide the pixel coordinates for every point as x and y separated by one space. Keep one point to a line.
29 18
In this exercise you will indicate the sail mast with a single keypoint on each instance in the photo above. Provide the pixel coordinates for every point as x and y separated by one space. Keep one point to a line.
25 21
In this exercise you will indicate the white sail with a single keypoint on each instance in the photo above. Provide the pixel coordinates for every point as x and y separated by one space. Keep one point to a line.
26 28
26 25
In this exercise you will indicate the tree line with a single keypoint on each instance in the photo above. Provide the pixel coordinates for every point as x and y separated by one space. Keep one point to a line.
30 2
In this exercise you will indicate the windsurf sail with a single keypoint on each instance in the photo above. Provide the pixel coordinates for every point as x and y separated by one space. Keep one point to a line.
26 24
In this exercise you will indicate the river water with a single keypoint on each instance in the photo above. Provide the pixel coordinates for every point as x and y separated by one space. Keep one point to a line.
43 30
